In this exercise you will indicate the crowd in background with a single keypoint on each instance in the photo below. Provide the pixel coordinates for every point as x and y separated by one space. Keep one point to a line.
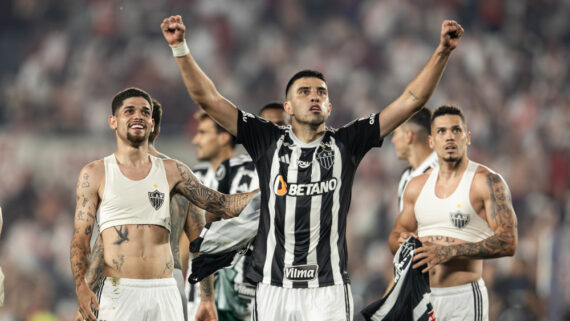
63 60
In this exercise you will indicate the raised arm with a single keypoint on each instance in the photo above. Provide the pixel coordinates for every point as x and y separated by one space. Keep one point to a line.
501 218
199 86
188 185
419 90
87 201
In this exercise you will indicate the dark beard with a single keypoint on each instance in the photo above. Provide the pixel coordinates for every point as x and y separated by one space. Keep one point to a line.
135 140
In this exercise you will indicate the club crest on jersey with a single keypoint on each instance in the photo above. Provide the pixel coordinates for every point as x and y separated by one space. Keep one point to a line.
156 199
300 273
459 219
282 188
221 172
325 156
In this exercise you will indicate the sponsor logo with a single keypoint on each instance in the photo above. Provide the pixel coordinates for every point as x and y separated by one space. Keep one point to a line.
303 164
325 156
244 291
282 188
459 219
156 199
301 272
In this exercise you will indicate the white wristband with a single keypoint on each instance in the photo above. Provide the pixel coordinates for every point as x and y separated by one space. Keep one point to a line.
180 50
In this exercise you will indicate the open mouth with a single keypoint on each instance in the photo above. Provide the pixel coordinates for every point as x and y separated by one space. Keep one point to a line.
316 108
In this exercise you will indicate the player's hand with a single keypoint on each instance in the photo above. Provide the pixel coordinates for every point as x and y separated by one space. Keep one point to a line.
431 254
173 30
207 311
78 316
451 32
87 301
404 236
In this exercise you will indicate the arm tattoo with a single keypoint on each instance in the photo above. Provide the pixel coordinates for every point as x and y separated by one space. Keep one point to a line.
123 233
178 206
209 199
501 213
96 265
413 95
78 257
207 288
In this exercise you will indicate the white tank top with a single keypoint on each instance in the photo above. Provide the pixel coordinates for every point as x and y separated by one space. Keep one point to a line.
453 216
146 201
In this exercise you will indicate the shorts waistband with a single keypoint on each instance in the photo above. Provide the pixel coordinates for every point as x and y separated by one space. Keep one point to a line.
452 290
140 283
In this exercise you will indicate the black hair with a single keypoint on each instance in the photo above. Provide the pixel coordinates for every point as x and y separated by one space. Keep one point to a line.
128 93
272 105
157 117
304 74
422 118
448 110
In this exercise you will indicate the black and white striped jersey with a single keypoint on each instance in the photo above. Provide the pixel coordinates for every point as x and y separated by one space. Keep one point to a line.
410 172
305 196
234 175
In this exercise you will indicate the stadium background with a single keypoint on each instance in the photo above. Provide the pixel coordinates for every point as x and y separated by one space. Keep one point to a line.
63 60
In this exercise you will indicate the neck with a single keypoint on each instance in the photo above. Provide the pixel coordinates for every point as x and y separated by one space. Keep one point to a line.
418 155
452 169
225 153
152 150
307 133
130 155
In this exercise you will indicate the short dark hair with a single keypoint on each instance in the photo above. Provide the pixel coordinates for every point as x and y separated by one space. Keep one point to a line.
448 110
128 93
272 105
422 118
201 115
157 117
307 73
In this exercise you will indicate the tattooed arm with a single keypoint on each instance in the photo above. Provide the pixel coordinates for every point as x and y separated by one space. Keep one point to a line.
492 190
195 221
187 184
96 265
87 199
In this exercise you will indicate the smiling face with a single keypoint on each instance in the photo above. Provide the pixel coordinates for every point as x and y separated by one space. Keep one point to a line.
133 120
449 138
308 102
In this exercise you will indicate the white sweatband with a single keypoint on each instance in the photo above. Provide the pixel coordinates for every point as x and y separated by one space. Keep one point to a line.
180 50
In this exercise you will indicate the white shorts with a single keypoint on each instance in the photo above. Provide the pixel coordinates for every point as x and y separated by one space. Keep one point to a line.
123 299
330 303
463 302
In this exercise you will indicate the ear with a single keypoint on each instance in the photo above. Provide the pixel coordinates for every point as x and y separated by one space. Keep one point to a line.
330 107
288 108
224 138
112 122
430 138
409 136
468 138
